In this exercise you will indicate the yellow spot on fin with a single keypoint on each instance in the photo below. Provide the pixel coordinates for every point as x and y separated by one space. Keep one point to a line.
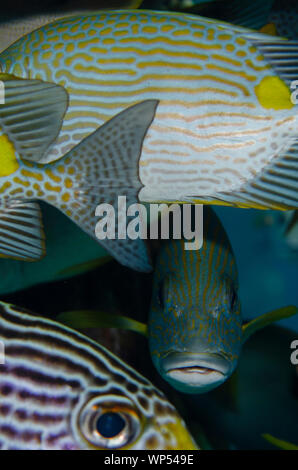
83 267
273 93
32 107
80 319
267 319
8 160
281 444
270 29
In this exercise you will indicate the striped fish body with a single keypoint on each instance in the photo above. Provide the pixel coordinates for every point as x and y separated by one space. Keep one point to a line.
60 390
225 128
195 321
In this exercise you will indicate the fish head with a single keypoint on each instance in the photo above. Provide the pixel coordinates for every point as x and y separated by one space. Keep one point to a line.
195 333
61 390
122 422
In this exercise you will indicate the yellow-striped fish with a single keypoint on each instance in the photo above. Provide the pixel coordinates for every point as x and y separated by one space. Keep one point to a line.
225 130
195 326
60 390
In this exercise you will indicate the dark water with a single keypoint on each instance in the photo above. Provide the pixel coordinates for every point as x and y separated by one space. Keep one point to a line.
265 397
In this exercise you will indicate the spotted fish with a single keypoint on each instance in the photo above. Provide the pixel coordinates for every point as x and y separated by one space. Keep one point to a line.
60 390
225 130
103 165
195 327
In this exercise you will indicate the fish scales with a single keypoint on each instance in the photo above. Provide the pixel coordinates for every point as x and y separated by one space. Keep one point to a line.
50 375
211 130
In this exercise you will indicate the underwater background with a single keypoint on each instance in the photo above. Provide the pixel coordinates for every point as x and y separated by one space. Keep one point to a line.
78 275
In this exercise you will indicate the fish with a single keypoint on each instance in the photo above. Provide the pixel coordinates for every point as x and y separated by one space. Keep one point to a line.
227 138
12 29
195 326
100 167
61 390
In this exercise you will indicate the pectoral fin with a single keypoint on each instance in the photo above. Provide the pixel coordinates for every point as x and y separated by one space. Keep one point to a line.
284 445
80 319
266 319
31 115
21 232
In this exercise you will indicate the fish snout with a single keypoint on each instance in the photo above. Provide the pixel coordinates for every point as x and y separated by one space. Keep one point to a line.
195 372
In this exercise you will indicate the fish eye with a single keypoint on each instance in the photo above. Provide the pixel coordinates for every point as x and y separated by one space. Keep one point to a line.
109 425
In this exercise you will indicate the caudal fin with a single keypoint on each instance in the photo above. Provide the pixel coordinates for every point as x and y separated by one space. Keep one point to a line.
102 167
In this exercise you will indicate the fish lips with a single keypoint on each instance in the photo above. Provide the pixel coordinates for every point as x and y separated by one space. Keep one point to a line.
195 372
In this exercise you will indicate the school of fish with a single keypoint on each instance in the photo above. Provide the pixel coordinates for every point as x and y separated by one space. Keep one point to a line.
159 107
229 137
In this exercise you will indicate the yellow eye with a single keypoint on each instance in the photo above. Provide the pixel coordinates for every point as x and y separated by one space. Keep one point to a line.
109 425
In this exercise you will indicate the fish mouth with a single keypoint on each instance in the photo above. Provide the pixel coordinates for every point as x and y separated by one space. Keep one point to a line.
195 372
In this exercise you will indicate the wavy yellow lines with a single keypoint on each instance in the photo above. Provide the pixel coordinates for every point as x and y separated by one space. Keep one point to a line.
81 56
179 162
169 42
228 170
112 60
226 59
146 53
178 65
178 130
213 114
249 78
163 152
105 71
146 77
78 115
250 64
208 103
203 149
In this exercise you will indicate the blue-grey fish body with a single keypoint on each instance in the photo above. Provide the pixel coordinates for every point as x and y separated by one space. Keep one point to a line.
195 322
60 390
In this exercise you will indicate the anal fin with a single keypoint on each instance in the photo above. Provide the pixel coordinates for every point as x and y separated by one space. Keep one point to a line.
21 232
275 187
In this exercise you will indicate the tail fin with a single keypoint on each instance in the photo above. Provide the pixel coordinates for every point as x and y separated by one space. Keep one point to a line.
103 166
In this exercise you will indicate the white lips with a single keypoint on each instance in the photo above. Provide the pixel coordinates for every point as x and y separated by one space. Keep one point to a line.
196 376
195 372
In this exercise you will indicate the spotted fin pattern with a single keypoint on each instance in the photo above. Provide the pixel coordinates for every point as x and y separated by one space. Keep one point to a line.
109 168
